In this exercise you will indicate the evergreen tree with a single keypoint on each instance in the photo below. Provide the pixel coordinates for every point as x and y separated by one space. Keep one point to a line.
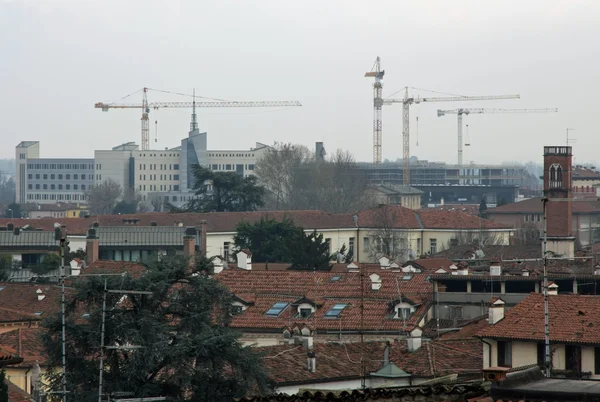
483 209
224 191
311 252
3 387
188 351
269 240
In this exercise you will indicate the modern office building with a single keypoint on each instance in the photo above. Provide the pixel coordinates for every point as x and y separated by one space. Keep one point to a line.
51 180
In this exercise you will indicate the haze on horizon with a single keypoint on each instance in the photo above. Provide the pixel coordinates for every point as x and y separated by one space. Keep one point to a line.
59 57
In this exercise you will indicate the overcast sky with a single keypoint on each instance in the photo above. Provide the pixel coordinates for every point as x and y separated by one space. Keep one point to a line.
59 57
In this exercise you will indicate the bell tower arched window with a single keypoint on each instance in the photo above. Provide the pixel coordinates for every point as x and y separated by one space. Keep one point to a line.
556 173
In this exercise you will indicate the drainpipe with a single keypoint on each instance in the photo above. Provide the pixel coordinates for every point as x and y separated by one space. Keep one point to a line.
489 352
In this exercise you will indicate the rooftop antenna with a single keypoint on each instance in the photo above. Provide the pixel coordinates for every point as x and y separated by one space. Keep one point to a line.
194 123
570 140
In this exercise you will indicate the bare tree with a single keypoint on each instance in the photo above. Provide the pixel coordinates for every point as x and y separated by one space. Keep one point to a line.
276 171
384 239
479 238
336 185
528 234
103 197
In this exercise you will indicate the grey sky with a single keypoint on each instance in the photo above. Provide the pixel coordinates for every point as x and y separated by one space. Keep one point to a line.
59 57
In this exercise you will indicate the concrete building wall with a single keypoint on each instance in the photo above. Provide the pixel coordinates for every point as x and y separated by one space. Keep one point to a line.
156 171
24 151
242 162
52 180
114 165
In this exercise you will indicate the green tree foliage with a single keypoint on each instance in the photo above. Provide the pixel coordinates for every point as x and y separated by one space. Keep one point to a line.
270 240
223 192
6 265
13 211
7 189
103 197
49 263
188 350
483 209
311 252
3 387
124 207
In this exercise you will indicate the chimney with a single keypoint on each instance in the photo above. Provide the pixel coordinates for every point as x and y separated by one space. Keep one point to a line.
552 289
495 268
386 354
312 361
92 247
495 310
375 281
40 294
414 343
244 260
203 237
189 243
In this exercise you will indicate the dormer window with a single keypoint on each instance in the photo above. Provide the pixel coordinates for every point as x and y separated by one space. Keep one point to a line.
336 310
277 309
403 311
305 312
236 309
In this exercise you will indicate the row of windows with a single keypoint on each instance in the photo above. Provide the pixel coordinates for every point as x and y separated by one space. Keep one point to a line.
162 187
533 218
231 155
60 176
161 166
229 166
57 197
160 155
162 177
66 166
56 187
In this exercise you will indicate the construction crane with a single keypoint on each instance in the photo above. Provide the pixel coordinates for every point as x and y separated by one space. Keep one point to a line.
407 101
461 112
377 73
145 106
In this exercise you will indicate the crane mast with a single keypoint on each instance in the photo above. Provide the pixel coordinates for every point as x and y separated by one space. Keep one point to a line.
407 101
466 111
378 74
146 106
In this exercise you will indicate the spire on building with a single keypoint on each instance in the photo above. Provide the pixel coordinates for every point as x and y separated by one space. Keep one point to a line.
194 123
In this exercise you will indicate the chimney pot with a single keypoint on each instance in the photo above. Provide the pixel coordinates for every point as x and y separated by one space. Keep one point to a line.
495 310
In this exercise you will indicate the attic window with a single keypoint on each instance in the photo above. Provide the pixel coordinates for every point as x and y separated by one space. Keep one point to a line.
237 310
335 278
407 277
305 313
277 309
336 310
39 313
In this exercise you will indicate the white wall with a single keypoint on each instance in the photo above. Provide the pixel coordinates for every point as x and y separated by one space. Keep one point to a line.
524 353
155 171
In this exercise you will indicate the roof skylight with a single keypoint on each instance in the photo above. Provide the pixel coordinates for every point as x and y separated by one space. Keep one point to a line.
336 310
277 308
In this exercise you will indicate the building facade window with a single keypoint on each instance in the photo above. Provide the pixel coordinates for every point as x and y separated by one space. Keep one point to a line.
504 354
573 359
226 251
351 246
432 246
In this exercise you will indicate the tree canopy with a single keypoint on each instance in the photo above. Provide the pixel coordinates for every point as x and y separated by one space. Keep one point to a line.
13 211
187 350
270 240
224 192
103 197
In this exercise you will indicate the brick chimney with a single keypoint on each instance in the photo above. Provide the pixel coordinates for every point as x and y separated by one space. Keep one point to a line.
244 260
92 247
552 289
203 237
189 243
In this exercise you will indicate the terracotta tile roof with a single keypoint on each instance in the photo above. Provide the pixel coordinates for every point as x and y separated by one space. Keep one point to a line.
328 288
471 209
581 173
23 297
468 329
8 359
30 344
437 392
456 220
506 252
227 221
334 361
430 265
9 315
573 319
534 205
16 394
99 267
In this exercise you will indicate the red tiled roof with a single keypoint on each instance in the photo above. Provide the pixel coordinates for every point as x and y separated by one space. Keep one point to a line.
227 221
23 297
471 209
534 205
573 319
99 267
430 265
469 329
30 344
506 252
287 363
8 359
269 287
580 173
9 315
16 394
456 220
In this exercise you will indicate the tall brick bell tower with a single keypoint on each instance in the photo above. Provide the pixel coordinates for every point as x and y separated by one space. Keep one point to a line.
557 185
